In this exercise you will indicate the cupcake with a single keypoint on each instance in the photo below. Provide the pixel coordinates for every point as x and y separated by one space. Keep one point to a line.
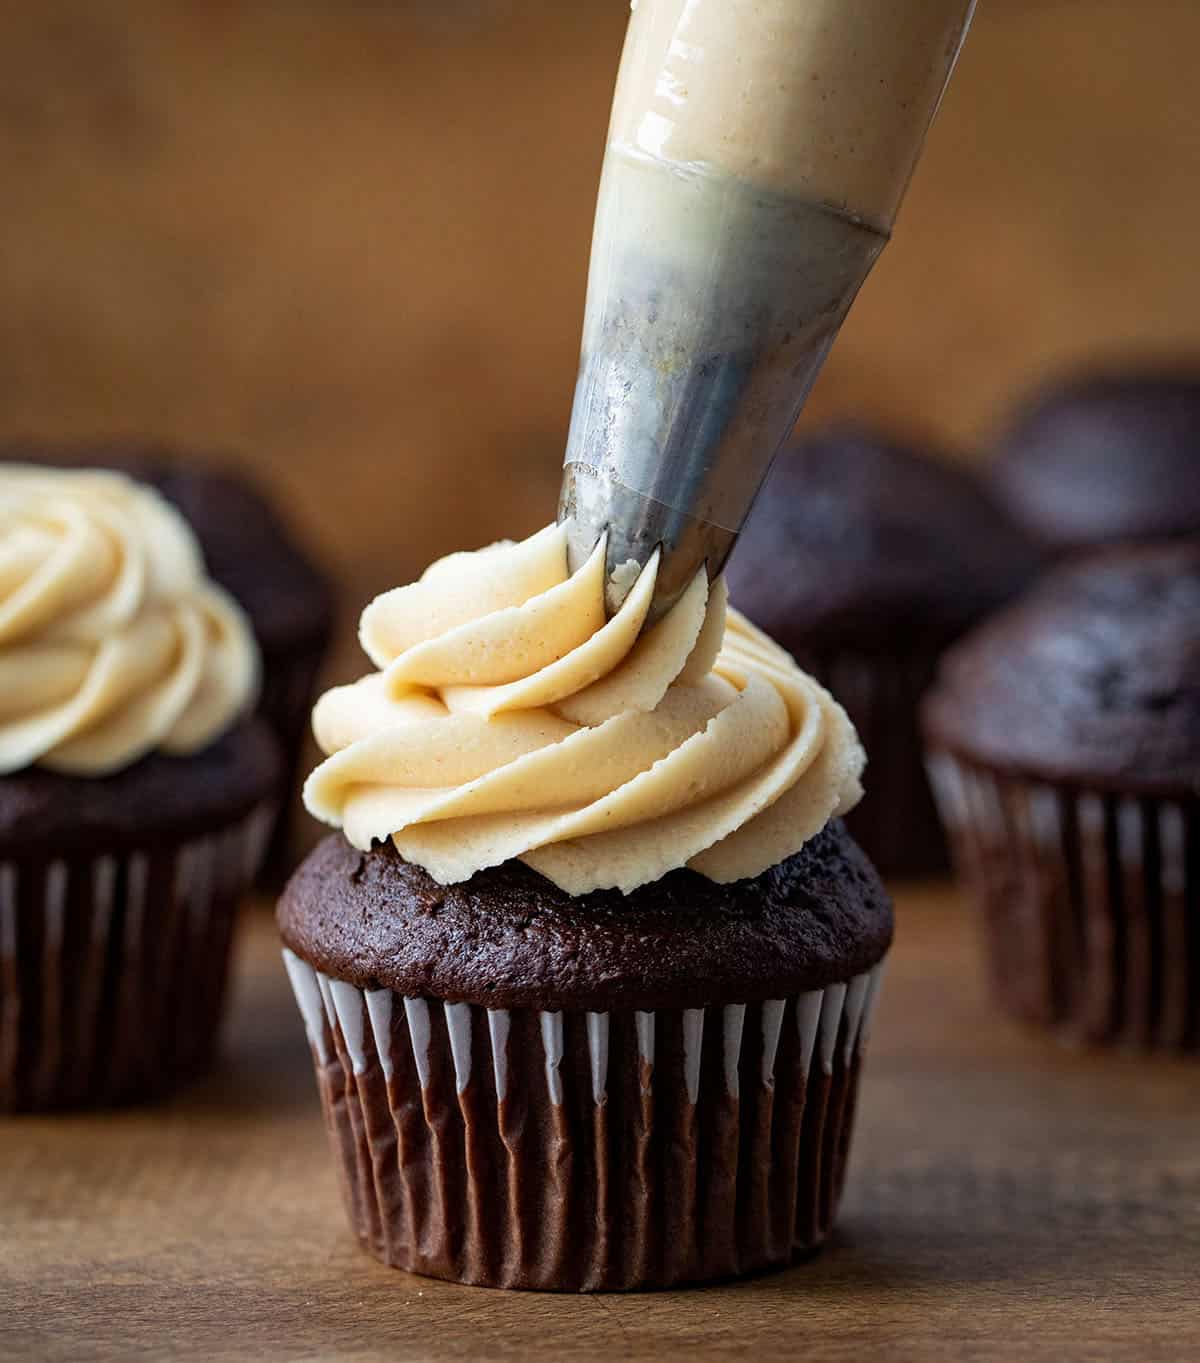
1064 742
865 561
135 797
252 554
1103 460
588 969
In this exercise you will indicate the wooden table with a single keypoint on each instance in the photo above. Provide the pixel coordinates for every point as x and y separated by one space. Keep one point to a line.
1009 1199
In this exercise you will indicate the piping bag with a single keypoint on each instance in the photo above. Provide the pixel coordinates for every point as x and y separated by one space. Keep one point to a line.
757 155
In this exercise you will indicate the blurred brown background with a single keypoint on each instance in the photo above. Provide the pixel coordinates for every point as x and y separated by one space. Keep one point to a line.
348 239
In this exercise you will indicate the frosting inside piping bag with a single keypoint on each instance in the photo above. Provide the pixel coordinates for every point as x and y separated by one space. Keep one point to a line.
509 718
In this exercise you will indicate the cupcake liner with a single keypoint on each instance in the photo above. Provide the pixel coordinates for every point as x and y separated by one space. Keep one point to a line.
1090 902
580 1151
113 967
896 823
286 701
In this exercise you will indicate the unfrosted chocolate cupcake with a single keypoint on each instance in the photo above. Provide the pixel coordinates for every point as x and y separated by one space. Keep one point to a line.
134 797
250 552
588 977
865 560
1065 746
1105 459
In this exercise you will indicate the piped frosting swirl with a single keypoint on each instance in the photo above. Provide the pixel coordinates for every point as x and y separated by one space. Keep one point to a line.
113 641
509 718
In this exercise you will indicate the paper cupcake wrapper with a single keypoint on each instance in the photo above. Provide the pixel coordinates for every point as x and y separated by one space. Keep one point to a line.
1090 903
113 967
289 689
583 1151
896 822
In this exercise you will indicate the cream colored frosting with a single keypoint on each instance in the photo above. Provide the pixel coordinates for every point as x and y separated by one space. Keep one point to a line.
509 718
113 642
828 99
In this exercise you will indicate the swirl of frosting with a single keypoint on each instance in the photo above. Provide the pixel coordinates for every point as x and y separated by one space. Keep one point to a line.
510 718
113 642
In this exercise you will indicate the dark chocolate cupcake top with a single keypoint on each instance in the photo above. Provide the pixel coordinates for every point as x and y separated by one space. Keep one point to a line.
1105 459
508 938
247 547
859 543
1093 679
46 812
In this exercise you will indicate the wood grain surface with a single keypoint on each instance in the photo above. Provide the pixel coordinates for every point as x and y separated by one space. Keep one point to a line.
1008 1199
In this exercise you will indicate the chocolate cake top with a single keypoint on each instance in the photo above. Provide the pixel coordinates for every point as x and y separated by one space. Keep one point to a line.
1094 678
160 796
1105 459
508 938
859 543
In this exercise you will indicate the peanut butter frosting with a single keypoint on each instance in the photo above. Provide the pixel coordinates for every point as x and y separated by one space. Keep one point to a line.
828 99
510 718
113 641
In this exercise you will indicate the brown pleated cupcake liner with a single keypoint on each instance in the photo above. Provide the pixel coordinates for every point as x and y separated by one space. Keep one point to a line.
896 823
577 1151
288 692
113 967
1090 903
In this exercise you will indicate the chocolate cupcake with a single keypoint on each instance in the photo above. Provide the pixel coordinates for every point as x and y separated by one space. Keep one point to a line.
1105 459
865 560
588 974
1064 742
250 552
134 798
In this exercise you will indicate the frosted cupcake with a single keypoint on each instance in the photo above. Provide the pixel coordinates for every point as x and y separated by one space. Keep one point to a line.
252 553
588 971
134 796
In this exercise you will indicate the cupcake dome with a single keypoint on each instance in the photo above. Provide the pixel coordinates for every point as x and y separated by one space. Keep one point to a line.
1105 459
1093 680
865 560
588 973
1065 744
510 938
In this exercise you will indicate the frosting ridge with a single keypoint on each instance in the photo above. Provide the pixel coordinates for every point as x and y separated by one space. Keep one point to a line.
509 718
113 642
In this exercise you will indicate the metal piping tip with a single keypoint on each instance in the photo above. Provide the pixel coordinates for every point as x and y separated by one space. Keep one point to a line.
699 348
594 504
